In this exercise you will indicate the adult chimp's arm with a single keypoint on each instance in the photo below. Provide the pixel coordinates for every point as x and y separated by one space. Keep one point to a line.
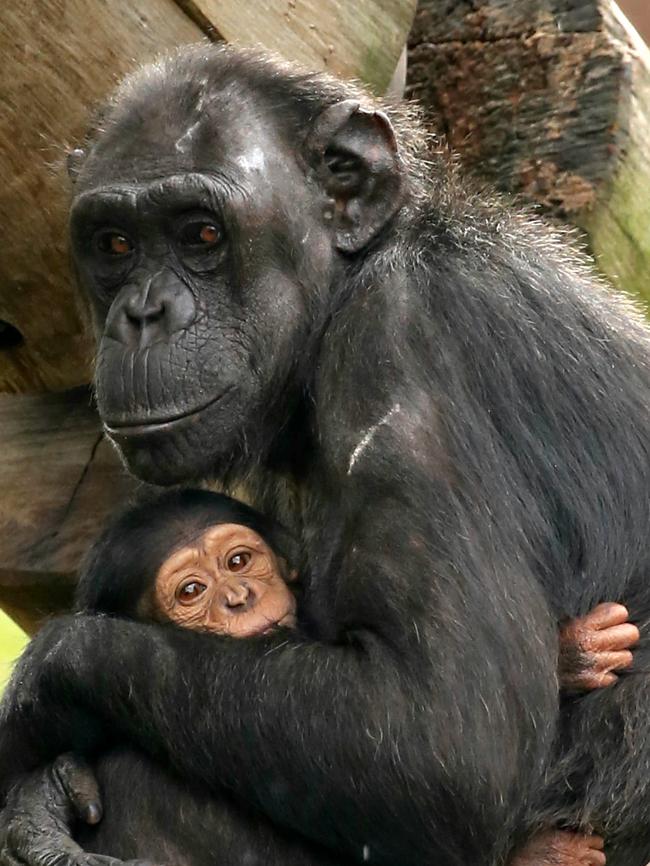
429 715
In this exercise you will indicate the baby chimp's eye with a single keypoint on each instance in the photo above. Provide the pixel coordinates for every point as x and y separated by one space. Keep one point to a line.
190 591
238 561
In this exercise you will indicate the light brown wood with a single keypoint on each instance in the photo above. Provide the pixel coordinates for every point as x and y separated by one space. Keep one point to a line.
59 58
638 12
60 479
361 39
551 105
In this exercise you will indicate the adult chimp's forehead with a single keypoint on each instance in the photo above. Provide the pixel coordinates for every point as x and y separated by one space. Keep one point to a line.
216 133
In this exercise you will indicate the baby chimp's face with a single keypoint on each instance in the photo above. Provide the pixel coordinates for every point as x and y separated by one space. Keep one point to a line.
228 581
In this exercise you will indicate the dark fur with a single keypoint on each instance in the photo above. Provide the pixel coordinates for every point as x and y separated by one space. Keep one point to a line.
151 813
503 397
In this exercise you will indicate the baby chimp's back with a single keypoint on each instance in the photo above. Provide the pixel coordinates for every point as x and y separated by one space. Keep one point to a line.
154 815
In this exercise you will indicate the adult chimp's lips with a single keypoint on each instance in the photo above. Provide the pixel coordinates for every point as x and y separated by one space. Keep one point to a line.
140 427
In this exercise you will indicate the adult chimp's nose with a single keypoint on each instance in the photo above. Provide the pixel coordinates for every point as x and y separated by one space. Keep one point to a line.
150 311
238 596
144 309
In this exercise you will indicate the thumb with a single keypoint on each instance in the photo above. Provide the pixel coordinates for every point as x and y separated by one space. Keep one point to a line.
80 786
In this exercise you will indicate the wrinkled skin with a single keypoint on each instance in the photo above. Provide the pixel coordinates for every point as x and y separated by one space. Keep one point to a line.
432 394
228 581
36 823
594 647
556 848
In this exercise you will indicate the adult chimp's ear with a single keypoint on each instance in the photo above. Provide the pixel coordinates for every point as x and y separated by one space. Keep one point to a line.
74 161
354 152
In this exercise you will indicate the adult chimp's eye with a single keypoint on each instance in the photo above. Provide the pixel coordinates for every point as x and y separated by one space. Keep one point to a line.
113 242
190 591
201 235
238 561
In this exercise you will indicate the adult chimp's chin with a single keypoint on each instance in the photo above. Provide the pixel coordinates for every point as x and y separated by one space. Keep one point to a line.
183 449
158 459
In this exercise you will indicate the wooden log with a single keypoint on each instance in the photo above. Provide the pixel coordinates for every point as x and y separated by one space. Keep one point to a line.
549 100
60 479
638 12
361 40
59 59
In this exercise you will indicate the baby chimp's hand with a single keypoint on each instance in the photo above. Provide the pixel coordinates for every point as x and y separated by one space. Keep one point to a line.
561 848
592 647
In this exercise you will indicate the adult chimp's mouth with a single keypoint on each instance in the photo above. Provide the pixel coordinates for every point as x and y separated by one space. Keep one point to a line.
140 427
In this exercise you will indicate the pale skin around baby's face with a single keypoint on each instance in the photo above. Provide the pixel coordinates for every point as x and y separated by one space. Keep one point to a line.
228 582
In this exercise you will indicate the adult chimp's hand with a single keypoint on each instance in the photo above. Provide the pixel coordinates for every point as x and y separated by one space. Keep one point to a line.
40 716
35 824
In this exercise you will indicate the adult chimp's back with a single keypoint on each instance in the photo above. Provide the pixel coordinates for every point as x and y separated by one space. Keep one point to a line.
284 299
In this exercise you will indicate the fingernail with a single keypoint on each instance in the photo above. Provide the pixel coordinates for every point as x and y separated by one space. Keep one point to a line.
92 814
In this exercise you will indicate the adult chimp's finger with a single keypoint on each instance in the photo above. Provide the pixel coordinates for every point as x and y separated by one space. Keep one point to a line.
27 847
607 614
28 844
616 637
80 785
8 859
107 860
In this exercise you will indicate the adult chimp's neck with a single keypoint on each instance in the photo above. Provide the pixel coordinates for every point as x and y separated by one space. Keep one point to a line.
294 443
271 482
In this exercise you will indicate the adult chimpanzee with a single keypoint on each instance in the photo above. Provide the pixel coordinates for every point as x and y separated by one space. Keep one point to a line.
452 413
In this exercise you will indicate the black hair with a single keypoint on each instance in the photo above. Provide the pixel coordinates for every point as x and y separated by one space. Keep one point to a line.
122 564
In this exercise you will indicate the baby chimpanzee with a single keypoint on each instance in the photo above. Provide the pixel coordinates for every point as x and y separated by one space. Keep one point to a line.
206 562
198 559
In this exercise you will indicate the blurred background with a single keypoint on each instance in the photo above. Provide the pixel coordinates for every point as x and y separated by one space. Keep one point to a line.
638 11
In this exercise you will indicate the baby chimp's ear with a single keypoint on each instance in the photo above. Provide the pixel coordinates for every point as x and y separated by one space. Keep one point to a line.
289 575
292 576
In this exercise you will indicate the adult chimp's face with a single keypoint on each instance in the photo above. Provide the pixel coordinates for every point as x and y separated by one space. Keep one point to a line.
207 245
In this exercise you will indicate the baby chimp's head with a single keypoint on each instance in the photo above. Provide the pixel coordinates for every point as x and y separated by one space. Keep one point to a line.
199 559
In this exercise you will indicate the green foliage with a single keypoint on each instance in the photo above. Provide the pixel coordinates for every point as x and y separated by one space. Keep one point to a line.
12 643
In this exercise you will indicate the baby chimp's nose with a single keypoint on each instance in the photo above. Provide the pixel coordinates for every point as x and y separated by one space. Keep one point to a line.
238 596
